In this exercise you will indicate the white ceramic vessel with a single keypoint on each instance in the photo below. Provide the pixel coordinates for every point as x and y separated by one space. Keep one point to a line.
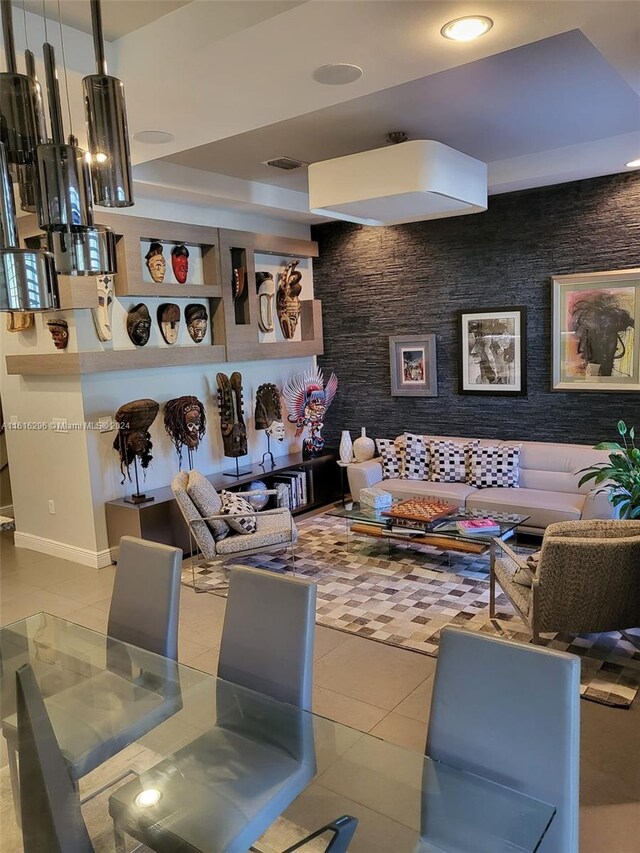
346 447
364 448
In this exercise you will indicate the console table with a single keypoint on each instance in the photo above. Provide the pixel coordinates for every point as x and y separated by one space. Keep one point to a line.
160 520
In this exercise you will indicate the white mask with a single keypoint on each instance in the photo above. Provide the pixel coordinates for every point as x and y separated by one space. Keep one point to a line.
102 314
276 430
266 294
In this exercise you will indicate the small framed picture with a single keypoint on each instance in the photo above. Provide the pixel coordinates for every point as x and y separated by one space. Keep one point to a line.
492 352
414 370
596 318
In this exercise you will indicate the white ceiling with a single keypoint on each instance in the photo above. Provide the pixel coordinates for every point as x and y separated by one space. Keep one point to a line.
549 94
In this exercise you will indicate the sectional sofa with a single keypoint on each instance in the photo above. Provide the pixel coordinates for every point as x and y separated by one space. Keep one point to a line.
548 488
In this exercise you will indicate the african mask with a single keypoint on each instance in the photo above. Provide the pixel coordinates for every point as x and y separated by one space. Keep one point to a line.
238 282
156 263
139 324
59 332
288 299
169 321
196 318
20 321
276 430
308 399
185 422
267 406
102 314
180 263
133 438
266 292
232 426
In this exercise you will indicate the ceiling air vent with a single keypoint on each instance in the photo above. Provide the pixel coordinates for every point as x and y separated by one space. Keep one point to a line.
286 163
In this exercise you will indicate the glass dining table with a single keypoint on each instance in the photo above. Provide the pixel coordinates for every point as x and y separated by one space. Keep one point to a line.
222 768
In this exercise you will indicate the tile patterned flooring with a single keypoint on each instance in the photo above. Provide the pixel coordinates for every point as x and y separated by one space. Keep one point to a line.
372 687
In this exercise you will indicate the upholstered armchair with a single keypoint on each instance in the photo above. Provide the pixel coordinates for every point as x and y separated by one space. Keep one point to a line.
587 579
275 528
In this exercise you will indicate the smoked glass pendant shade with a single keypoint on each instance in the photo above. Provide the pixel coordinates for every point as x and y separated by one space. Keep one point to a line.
19 126
64 188
108 140
91 251
28 280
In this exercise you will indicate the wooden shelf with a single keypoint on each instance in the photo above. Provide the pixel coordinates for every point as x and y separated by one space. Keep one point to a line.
133 287
77 363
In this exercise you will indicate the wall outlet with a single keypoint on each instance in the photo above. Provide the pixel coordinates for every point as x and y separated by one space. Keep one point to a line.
52 508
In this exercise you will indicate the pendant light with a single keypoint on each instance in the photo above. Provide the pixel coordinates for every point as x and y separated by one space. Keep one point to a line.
19 131
108 136
27 174
65 210
28 280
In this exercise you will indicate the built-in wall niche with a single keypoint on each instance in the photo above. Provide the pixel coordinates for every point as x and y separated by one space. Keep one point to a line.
169 262
239 285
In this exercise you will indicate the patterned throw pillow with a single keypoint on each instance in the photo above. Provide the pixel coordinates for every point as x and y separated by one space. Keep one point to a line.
449 461
208 502
232 504
494 465
416 460
390 458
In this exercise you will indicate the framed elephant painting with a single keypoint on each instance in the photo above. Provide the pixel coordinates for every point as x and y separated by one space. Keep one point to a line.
596 331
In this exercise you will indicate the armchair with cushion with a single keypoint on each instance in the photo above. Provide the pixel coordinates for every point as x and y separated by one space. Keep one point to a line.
274 528
586 581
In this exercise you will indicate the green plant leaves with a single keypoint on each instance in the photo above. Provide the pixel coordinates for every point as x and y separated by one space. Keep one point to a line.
621 474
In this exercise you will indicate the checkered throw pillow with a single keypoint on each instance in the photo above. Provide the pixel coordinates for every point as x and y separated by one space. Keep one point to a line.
390 458
232 504
449 461
494 465
416 460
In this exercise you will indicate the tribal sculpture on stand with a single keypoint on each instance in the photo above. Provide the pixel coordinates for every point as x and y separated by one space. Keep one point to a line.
185 422
133 440
268 416
308 399
232 425
288 299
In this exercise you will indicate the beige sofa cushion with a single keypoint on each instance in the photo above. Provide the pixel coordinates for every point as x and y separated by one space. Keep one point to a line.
554 467
543 507
455 492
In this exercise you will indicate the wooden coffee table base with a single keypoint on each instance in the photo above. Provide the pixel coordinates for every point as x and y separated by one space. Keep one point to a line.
442 542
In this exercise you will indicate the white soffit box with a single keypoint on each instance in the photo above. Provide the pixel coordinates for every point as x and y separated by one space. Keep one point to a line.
408 182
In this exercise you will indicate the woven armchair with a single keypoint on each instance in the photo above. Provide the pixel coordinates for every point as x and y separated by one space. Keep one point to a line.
587 580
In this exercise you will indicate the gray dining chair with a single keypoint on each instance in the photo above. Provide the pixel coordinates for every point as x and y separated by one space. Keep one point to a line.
510 712
268 634
148 621
49 803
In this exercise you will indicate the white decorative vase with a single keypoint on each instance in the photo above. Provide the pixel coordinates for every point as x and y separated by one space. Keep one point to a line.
363 447
346 447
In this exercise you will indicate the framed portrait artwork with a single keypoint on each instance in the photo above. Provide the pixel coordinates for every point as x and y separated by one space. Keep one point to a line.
414 370
492 351
596 323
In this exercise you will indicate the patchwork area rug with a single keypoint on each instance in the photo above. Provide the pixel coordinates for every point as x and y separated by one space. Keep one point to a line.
407 600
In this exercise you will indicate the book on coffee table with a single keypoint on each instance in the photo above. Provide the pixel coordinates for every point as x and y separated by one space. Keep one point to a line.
477 526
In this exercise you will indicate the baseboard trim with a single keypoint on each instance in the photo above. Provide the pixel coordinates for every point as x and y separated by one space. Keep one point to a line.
83 556
7 510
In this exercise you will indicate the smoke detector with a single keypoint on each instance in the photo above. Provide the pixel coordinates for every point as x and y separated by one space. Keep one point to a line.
408 182
286 163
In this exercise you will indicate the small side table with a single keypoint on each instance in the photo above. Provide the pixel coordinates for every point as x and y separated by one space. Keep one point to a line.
343 468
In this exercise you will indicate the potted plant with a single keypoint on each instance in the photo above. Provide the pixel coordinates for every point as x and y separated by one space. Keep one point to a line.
621 474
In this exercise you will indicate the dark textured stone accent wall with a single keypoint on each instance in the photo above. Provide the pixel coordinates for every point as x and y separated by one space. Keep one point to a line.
411 279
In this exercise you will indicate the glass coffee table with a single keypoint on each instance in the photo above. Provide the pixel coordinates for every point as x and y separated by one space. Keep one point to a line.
368 521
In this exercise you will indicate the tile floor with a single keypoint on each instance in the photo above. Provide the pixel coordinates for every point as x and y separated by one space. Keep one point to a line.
372 687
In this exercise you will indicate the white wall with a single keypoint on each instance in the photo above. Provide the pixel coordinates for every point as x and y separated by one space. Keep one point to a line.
78 469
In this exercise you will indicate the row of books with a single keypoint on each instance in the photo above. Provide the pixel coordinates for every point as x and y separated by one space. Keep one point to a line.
292 489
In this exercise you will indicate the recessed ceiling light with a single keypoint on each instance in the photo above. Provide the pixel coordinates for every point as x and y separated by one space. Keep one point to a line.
337 74
154 137
467 29
634 164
